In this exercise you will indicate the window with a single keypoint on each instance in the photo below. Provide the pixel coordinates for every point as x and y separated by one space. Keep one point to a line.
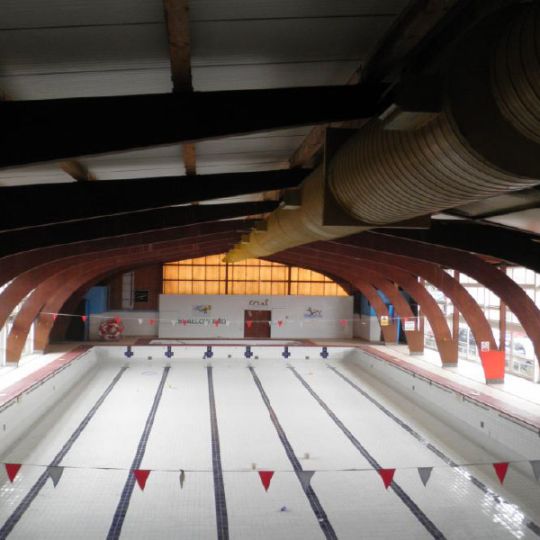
209 275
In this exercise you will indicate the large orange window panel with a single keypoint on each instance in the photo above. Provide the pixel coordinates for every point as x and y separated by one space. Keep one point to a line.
210 275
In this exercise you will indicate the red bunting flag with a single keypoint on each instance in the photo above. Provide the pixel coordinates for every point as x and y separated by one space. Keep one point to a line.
12 469
151 322
249 324
501 470
54 316
141 475
387 476
84 317
265 477
216 322
184 322
343 322
280 323
117 320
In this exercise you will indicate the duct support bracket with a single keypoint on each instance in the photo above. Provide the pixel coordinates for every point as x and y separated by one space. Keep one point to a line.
416 103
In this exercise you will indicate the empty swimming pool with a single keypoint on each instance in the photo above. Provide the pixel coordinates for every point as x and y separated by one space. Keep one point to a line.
258 442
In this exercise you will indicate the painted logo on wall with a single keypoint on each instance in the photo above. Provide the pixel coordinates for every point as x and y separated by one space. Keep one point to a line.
203 322
312 313
204 309
259 303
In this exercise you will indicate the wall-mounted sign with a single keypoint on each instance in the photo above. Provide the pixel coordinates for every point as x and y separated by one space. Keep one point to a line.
259 302
312 313
409 325
203 322
204 309
384 320
141 296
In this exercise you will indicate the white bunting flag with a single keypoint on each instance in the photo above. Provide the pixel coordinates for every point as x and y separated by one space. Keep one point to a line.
182 478
305 478
535 464
55 473
425 473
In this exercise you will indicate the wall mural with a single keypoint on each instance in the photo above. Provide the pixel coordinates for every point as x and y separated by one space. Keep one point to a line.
312 313
204 309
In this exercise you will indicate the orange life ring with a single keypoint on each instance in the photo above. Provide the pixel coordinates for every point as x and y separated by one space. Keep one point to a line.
110 330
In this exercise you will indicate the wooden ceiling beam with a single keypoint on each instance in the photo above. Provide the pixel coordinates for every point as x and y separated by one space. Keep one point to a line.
109 227
56 129
177 18
54 203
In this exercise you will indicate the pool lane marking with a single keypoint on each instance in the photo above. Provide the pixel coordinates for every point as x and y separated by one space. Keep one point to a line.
123 504
316 506
396 488
40 482
222 520
531 525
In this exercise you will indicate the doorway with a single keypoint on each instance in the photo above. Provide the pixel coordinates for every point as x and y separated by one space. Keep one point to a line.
257 323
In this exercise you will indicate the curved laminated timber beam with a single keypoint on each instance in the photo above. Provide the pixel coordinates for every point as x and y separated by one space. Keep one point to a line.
515 298
52 293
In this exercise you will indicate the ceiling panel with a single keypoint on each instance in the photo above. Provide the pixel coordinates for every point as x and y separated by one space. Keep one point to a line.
34 13
260 76
85 49
87 84
284 40
526 220
264 9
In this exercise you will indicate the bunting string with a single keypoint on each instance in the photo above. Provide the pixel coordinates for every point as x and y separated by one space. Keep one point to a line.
180 320
305 476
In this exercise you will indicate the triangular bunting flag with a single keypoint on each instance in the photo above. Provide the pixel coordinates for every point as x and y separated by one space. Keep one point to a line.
501 469
151 322
12 469
55 473
184 322
173 322
265 477
54 316
216 322
141 475
535 464
280 323
249 324
182 478
140 321
117 320
305 478
343 322
425 473
83 318
387 475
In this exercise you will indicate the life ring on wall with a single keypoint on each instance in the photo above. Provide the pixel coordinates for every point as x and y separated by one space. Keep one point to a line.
110 330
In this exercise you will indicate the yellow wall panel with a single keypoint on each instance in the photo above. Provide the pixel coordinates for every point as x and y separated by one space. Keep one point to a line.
207 275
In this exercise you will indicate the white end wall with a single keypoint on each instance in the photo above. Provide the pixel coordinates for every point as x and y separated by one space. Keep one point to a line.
367 328
229 310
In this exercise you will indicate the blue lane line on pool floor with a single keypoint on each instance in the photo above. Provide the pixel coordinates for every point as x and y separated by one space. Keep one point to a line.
316 506
222 519
398 490
40 482
531 525
123 504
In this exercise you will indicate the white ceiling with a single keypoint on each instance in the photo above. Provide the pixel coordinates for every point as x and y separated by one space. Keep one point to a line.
76 48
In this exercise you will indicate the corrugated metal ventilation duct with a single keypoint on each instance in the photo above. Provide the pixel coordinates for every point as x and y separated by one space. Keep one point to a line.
381 177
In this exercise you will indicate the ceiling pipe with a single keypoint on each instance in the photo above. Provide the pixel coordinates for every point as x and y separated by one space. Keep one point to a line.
484 141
